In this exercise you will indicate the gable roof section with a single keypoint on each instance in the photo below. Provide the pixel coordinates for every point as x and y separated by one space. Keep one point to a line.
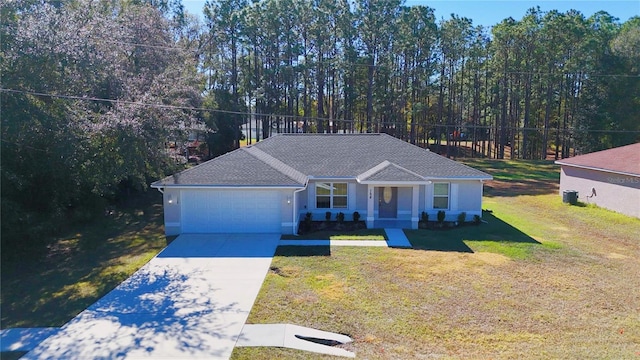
389 172
290 159
277 164
237 168
623 160
348 155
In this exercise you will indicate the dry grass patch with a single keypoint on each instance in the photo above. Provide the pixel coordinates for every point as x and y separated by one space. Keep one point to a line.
542 280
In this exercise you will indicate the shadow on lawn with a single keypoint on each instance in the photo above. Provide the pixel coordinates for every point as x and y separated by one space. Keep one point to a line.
49 289
454 240
303 250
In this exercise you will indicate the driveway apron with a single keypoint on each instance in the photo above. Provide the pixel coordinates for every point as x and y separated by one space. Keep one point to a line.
191 301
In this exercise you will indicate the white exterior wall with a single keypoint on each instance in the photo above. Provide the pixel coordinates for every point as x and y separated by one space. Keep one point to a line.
355 192
171 201
405 200
620 193
464 196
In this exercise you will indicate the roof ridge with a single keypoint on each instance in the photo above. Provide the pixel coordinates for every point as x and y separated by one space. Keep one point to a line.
276 164
373 170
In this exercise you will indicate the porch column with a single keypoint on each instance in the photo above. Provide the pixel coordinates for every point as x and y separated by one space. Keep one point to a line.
415 201
370 215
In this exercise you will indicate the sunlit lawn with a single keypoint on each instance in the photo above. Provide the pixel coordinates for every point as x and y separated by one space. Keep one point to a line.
541 279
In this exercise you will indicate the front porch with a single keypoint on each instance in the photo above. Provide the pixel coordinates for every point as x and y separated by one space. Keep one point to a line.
393 205
392 224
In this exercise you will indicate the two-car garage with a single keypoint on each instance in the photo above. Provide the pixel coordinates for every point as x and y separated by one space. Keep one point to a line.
230 211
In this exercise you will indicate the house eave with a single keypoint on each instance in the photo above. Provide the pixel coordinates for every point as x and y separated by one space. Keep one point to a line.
206 186
562 163
461 178
395 183
325 178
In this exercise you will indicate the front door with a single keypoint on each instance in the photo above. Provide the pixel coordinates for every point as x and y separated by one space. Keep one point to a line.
388 202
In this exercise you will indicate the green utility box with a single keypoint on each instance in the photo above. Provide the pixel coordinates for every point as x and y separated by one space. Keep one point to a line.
570 197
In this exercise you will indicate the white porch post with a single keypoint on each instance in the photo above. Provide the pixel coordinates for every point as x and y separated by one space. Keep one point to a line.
370 215
415 201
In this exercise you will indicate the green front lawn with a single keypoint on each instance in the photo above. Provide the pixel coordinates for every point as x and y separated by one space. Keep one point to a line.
541 279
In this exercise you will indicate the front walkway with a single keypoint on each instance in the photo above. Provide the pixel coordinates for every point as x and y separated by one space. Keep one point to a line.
191 301
395 239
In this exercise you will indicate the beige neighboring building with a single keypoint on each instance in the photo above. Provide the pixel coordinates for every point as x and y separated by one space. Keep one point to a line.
608 178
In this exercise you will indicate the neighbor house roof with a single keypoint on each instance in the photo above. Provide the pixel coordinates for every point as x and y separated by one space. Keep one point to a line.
622 160
291 159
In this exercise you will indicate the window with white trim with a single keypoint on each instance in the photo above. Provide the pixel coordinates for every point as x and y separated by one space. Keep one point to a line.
441 195
331 195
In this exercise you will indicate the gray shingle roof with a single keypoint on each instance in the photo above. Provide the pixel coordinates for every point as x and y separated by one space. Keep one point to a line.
389 172
289 159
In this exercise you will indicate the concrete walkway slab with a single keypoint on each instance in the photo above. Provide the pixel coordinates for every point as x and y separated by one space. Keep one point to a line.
294 337
397 239
370 243
190 301
24 339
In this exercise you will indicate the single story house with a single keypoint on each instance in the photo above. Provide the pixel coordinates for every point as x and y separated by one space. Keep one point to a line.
271 185
608 178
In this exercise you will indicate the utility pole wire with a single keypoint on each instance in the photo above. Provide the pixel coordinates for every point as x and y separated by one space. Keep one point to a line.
231 112
162 106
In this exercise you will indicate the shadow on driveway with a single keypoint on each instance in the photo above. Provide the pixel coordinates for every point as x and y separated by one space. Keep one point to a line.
191 301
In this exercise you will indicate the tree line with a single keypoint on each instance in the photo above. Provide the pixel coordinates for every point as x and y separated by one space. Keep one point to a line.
550 81
94 92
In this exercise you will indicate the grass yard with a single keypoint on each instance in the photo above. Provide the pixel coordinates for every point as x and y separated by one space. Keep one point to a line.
540 280
82 266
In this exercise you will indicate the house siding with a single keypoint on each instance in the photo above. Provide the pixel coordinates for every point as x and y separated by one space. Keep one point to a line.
620 193
354 194
361 199
464 196
404 202
172 215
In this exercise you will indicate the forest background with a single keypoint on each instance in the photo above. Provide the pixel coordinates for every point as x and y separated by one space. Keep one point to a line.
98 98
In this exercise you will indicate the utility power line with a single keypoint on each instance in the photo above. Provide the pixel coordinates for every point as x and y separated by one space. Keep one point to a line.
300 117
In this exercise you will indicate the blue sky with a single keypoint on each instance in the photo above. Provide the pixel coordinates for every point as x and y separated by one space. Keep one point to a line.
491 12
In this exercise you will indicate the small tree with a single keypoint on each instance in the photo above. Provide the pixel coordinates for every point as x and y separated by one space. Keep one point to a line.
327 216
340 217
356 216
424 217
441 215
476 219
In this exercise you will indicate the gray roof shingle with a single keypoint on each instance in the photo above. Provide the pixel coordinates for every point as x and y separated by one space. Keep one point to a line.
289 159
389 172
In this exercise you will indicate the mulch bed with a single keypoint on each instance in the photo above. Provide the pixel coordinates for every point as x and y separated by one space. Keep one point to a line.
313 226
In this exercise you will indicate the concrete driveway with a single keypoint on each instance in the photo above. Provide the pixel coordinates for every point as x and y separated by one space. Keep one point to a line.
190 301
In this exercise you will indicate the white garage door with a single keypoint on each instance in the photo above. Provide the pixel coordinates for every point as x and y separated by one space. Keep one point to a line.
230 211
